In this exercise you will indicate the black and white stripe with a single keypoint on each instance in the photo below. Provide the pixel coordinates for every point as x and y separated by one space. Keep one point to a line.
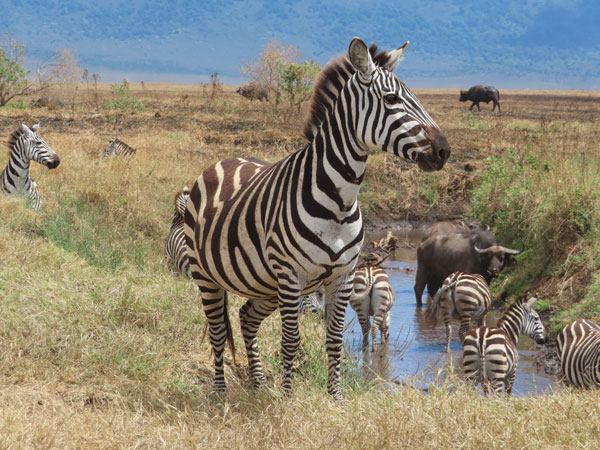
274 232
175 247
578 347
116 147
24 146
311 303
490 353
372 295
464 294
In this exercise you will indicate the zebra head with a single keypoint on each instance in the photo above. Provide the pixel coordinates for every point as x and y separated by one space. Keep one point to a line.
180 201
33 147
532 324
390 117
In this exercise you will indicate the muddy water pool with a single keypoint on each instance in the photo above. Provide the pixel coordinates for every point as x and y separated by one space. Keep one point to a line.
416 350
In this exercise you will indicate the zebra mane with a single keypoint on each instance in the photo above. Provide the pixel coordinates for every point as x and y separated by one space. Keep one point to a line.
329 84
14 137
518 302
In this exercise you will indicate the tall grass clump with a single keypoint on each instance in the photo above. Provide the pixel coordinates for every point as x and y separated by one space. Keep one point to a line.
549 201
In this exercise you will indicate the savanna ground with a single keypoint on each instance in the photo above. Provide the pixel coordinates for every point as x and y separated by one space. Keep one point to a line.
102 346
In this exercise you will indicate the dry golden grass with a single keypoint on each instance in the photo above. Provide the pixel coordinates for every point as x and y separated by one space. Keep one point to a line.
100 344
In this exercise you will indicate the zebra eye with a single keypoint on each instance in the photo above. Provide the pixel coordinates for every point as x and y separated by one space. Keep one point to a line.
38 143
391 98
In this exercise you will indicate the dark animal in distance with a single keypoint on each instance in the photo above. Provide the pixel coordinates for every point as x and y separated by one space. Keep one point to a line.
481 93
449 226
475 251
253 92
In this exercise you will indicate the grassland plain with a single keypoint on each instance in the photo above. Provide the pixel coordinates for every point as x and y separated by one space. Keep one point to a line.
101 346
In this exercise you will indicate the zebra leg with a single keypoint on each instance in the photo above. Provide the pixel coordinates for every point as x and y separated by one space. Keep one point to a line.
219 328
289 302
465 325
447 317
365 325
252 313
509 382
374 330
337 298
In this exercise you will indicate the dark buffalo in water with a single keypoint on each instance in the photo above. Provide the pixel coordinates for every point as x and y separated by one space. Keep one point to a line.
481 93
449 226
475 251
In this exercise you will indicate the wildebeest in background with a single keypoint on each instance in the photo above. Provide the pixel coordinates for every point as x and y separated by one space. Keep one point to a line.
449 226
475 251
481 93
254 92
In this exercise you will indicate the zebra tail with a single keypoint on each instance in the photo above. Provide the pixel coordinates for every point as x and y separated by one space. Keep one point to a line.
484 379
228 330
431 313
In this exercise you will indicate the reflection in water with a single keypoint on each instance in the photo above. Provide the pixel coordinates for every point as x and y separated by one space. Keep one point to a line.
415 349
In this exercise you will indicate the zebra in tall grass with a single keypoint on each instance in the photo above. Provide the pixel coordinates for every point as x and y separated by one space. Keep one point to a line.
372 295
116 147
464 294
25 144
579 353
274 232
175 247
490 353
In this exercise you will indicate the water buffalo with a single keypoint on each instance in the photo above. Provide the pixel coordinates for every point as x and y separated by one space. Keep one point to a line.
253 92
449 226
481 93
475 251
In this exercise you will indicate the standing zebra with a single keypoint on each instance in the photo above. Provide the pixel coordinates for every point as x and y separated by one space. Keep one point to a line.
372 295
116 147
490 353
579 353
175 247
25 145
464 294
275 232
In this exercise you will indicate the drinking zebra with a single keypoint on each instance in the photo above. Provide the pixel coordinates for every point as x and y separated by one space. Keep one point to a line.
175 247
116 147
490 353
464 294
25 145
311 303
372 295
578 347
274 232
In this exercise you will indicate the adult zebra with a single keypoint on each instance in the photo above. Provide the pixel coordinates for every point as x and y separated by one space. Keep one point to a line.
464 294
578 347
175 247
490 353
274 232
25 145
117 147
372 295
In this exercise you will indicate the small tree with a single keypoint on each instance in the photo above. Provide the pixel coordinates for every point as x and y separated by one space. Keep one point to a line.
13 77
265 73
296 81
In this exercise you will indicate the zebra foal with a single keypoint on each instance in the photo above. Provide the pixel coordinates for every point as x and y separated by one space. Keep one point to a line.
175 246
116 147
578 347
464 294
372 295
273 232
490 353
25 145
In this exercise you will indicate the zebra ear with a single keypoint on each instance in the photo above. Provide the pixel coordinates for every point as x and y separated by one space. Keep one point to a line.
361 58
396 56
531 302
35 127
24 128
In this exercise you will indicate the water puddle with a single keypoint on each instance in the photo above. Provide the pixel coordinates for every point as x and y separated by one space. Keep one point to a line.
416 350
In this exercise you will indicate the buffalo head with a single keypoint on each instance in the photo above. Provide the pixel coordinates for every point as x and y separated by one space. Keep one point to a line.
498 257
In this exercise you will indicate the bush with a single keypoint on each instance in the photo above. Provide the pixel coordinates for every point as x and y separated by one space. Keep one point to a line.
124 101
